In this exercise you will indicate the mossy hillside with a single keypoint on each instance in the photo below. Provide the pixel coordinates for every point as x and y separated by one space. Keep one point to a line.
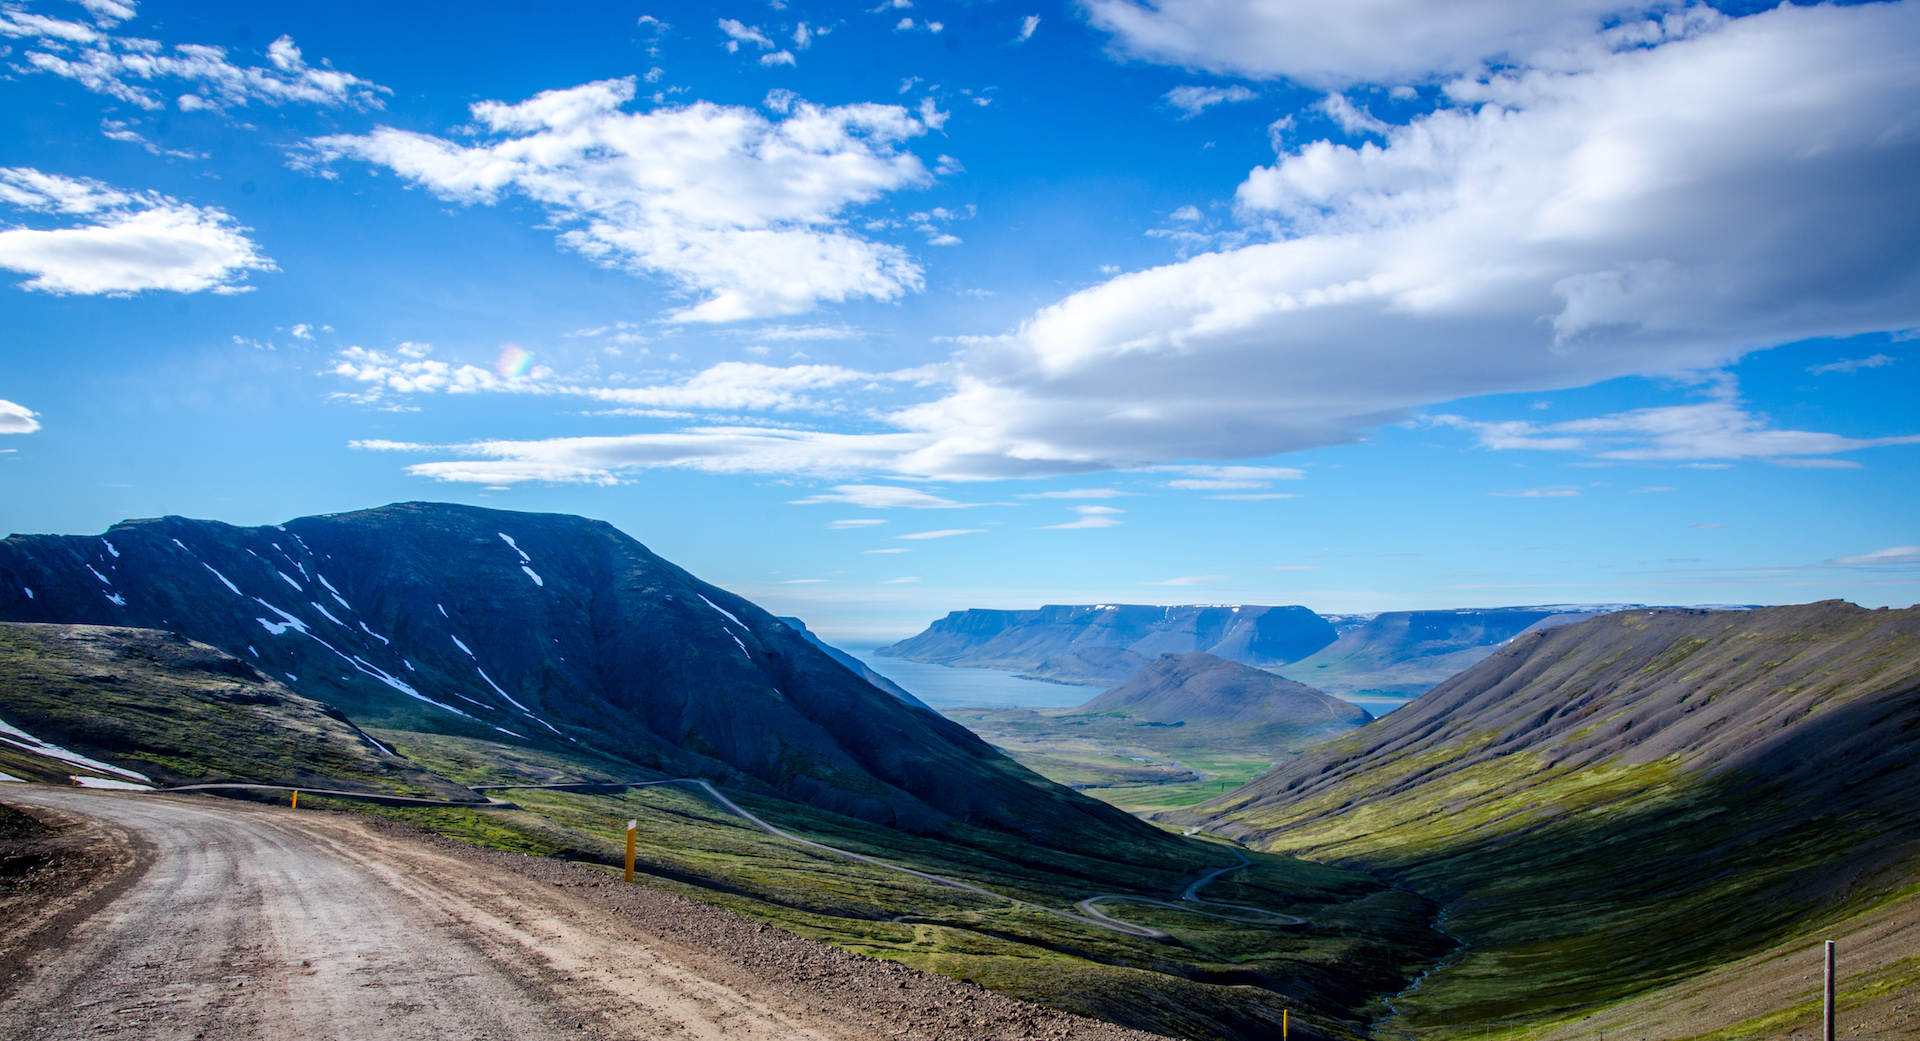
181 713
1625 808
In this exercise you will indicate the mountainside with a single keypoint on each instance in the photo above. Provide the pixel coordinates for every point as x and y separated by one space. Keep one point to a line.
1202 688
858 667
1407 652
1623 802
155 707
544 629
1073 644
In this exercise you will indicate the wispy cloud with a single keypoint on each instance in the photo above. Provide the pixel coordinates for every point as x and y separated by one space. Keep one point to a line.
865 522
944 533
1555 492
1890 555
881 497
1090 517
1852 364
1188 580
1195 100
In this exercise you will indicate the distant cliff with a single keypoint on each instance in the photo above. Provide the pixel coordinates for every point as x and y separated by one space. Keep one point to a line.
1407 652
1102 643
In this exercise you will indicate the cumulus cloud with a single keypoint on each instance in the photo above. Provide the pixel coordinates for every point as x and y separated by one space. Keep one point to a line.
1027 26
1718 186
1360 41
133 69
721 199
17 419
1719 428
120 242
1195 100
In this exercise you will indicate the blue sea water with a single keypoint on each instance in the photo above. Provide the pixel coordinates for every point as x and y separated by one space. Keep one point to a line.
943 686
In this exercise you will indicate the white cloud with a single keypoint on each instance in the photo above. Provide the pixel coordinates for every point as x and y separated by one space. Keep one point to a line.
131 69
721 199
1090 517
1188 580
1254 496
1027 26
743 33
1659 208
1359 41
882 497
944 533
123 243
1195 100
1890 555
17 419
1077 493
778 58
1852 364
1556 492
898 581
841 525
901 550
1719 428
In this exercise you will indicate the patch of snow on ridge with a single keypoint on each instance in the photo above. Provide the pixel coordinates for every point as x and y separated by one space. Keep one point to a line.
736 639
502 693
334 592
5 776
108 782
724 611
462 646
377 673
291 621
508 539
289 581
182 545
98 575
510 733
26 742
537 580
27 591
116 598
110 549
218 575
373 634
328 614
443 612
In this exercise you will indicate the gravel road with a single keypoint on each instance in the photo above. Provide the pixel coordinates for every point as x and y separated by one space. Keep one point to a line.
254 922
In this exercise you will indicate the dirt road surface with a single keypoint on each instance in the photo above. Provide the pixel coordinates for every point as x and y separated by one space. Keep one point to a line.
249 922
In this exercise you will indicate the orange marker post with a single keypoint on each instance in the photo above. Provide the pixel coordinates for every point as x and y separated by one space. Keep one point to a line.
296 801
633 829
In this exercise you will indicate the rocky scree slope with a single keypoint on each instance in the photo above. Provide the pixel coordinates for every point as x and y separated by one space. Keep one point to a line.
1623 802
545 629
1101 644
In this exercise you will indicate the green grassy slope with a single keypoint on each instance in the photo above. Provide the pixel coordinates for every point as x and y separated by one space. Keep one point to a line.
1623 804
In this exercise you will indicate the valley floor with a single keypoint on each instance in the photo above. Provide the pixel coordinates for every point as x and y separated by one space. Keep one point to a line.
244 922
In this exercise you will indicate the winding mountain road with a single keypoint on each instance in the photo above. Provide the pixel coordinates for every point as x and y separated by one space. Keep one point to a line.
251 923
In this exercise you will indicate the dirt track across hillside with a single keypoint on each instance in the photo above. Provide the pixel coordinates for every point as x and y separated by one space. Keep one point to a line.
254 922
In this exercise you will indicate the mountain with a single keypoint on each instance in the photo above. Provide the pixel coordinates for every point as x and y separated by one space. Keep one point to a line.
549 630
145 706
1074 644
859 667
1203 688
1407 652
1623 802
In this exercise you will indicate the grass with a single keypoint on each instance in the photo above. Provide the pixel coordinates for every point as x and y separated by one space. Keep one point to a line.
1210 979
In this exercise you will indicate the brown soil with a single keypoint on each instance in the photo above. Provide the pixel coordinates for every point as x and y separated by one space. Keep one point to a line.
56 869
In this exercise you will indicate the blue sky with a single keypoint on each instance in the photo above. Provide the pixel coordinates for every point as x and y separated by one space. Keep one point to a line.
871 313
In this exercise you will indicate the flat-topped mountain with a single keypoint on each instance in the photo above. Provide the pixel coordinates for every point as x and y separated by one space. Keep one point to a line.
543 629
1101 644
1624 801
1407 652
1202 688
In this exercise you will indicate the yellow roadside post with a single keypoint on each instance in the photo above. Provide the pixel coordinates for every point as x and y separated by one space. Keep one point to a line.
296 801
633 828
1283 1025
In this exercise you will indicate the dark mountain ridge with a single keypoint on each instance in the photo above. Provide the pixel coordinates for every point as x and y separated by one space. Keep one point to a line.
546 629
1102 643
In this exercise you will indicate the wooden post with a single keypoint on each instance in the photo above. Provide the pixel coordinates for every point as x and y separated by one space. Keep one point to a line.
1826 1031
633 829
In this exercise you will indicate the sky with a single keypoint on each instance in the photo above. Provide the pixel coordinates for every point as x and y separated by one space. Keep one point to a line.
871 313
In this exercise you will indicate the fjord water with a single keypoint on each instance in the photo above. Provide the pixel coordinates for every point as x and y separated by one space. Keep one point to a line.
944 686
